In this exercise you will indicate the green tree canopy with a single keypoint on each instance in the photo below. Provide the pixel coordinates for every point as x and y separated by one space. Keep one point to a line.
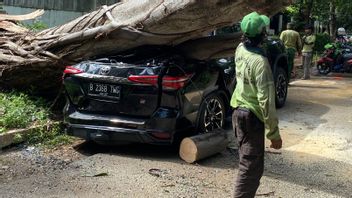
307 11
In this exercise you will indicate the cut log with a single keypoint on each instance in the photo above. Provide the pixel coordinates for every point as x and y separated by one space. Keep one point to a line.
40 58
204 145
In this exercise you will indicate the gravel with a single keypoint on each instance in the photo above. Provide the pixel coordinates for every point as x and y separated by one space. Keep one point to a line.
315 162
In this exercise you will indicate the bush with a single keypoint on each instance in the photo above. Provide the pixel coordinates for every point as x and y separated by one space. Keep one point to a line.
51 135
35 26
18 110
321 40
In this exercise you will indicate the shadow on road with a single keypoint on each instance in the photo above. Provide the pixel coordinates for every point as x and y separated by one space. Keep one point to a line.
143 151
304 112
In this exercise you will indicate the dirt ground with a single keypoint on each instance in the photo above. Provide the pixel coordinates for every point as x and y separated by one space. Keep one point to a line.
316 160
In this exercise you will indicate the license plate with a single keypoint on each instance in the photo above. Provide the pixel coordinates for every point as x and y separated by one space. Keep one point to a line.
104 90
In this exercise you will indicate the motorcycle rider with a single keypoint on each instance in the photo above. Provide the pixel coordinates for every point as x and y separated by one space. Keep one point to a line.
341 37
341 41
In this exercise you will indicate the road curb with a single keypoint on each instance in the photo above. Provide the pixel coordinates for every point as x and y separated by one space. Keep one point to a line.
18 135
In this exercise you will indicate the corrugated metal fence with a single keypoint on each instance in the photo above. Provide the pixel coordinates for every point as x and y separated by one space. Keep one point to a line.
64 5
57 12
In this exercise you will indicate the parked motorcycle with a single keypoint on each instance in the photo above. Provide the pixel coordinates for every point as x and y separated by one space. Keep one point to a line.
335 59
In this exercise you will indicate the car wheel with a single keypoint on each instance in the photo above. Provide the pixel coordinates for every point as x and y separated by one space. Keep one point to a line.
323 68
281 83
212 114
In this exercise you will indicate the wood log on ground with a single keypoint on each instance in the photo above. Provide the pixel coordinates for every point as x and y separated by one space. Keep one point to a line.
36 60
204 145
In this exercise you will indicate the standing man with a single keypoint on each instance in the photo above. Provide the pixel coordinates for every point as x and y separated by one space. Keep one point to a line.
307 51
293 44
254 103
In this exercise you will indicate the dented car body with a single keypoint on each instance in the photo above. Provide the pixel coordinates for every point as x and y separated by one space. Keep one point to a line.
151 94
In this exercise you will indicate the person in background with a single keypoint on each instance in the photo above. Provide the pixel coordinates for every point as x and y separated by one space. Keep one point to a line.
307 51
293 44
341 37
254 105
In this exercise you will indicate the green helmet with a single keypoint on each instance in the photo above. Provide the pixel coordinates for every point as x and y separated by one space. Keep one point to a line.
329 46
254 24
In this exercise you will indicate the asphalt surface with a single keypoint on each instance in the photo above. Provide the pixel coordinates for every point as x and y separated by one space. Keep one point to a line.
316 159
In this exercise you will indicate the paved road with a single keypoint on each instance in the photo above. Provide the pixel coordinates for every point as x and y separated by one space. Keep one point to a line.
316 161
316 125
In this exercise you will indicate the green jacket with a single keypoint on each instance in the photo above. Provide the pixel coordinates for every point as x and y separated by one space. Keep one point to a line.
255 89
308 43
291 39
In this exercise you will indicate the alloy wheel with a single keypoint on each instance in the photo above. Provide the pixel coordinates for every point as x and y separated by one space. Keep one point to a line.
213 115
281 88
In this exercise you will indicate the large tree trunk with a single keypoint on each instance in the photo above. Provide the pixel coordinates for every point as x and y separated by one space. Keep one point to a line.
332 21
308 13
36 60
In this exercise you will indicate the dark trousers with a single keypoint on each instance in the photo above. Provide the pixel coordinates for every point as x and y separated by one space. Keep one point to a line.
291 52
249 132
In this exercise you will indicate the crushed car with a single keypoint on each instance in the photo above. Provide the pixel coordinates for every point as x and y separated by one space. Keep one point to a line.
155 94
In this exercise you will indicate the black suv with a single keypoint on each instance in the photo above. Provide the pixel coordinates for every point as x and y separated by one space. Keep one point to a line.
155 94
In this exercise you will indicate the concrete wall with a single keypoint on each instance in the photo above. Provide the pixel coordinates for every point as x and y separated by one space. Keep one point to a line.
64 5
51 17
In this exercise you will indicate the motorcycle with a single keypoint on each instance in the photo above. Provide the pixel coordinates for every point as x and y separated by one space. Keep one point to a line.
335 59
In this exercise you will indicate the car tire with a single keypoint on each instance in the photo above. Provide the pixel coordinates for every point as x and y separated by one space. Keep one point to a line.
281 84
323 68
212 113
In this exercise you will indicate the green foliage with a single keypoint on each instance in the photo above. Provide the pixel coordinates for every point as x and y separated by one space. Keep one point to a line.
321 40
321 11
18 110
36 26
58 140
293 9
50 137
344 14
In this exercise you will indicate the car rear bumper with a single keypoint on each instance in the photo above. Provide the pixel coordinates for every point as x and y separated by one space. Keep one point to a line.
107 128
115 134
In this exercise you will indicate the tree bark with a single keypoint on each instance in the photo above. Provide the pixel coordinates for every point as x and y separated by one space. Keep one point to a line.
204 145
332 22
35 61
309 11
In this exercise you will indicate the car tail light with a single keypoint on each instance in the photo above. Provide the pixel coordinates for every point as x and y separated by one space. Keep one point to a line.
168 82
72 70
144 79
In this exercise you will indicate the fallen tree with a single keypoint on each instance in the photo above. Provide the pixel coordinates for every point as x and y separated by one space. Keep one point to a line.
35 61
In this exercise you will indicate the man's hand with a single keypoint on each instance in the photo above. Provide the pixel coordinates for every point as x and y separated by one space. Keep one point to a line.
276 144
